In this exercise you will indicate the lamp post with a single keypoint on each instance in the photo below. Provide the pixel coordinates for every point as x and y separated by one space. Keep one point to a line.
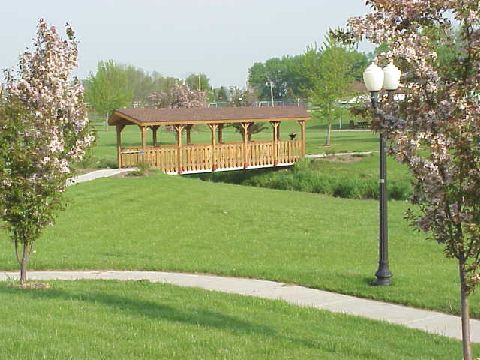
375 78
270 82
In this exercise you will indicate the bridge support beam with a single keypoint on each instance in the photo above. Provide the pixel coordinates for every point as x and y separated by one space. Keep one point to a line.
119 129
178 129
213 130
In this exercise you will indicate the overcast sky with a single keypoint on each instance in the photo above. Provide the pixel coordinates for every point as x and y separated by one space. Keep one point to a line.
221 38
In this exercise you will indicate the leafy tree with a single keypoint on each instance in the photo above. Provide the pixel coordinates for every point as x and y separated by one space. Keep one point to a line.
359 61
435 131
222 94
299 82
330 71
274 71
116 85
199 82
140 83
292 78
239 97
253 128
109 88
44 131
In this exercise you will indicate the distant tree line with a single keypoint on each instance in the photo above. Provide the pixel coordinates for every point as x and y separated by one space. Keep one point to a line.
116 86
320 76
291 77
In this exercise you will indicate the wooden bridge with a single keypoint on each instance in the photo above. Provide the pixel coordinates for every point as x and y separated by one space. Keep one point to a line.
218 155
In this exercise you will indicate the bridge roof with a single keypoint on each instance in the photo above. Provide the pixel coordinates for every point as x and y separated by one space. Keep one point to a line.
192 116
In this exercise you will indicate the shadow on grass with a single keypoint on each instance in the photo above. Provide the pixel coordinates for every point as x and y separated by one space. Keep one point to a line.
236 176
195 315
153 310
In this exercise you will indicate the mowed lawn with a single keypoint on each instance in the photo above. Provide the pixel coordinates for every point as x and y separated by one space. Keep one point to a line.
171 223
139 320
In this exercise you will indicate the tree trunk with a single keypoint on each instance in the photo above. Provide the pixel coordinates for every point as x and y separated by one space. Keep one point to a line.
465 311
329 134
23 263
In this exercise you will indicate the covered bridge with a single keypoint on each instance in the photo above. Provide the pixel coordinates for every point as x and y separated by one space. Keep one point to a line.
216 155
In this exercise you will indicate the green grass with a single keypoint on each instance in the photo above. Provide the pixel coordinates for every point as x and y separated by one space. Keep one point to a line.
139 320
170 223
104 154
355 179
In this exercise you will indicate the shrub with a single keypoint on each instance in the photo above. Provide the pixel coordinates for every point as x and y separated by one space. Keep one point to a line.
314 177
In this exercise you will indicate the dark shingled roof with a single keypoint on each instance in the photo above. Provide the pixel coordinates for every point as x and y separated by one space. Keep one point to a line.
207 115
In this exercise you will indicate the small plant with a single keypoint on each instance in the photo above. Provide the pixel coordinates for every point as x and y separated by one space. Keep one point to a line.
143 169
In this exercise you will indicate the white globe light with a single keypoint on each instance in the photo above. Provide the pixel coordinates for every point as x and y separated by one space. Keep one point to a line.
373 77
391 79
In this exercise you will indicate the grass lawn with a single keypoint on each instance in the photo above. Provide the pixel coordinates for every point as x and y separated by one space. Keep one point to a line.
104 154
139 320
165 222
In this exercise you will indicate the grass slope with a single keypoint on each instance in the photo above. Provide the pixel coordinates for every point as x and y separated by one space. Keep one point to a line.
110 320
169 223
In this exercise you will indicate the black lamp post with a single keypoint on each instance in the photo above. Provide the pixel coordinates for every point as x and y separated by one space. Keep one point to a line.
375 78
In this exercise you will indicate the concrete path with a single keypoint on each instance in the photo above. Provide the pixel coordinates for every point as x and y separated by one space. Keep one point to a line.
97 174
429 321
325 155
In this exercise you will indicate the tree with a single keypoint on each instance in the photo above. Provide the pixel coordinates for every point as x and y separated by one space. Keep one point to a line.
330 72
198 82
290 76
179 96
109 88
253 128
44 131
239 97
273 72
436 129
139 83
221 94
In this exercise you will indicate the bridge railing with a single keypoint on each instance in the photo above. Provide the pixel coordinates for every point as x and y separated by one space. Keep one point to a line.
201 157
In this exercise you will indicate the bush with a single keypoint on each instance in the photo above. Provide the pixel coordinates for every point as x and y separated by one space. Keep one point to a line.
313 177
400 190
143 168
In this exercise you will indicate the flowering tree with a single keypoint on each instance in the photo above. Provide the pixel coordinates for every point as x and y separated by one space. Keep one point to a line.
436 129
44 130
181 96
178 96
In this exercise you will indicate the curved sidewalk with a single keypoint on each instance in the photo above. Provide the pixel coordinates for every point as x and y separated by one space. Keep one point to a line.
97 174
429 321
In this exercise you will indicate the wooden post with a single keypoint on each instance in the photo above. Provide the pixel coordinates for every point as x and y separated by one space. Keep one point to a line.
189 135
245 127
154 134
179 129
302 124
213 129
143 133
119 145
275 142
220 133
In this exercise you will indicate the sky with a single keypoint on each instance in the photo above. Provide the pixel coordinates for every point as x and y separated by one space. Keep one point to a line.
221 38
